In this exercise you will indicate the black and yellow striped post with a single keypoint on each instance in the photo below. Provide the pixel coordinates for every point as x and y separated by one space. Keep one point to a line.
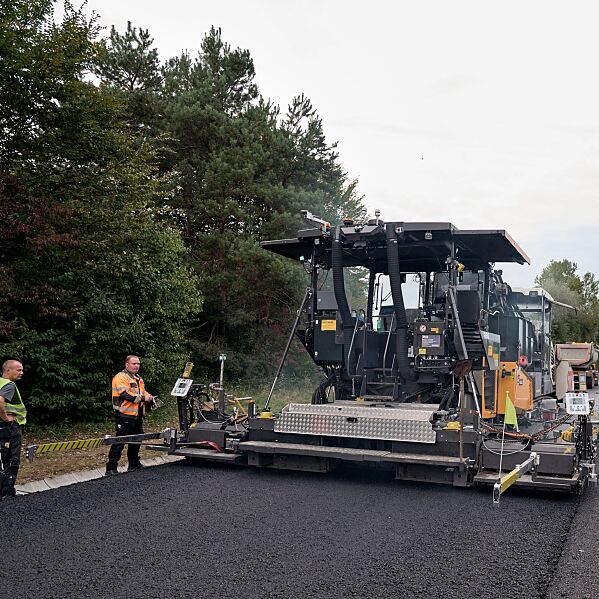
32 450
62 446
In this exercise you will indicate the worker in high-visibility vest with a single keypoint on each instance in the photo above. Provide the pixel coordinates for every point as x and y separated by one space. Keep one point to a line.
13 415
129 400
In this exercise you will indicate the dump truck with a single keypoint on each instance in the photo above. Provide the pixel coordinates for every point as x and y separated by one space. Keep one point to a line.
577 361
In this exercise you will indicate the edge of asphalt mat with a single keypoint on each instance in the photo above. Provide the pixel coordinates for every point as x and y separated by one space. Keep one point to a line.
73 478
574 574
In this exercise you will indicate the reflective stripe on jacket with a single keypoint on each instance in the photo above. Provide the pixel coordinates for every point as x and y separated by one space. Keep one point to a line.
128 391
15 407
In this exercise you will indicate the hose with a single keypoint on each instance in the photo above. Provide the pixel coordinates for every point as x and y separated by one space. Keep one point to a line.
448 396
320 395
534 437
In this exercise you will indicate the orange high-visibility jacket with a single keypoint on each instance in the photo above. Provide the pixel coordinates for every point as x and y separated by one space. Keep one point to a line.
128 392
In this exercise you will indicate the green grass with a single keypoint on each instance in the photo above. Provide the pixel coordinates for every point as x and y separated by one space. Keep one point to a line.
291 392
166 416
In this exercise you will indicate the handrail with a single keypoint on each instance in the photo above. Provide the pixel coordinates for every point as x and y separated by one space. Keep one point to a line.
387 345
351 346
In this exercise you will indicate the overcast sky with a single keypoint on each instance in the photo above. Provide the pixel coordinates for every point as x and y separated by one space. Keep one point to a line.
482 114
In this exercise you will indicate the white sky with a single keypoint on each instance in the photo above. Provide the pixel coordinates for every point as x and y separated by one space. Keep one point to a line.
484 114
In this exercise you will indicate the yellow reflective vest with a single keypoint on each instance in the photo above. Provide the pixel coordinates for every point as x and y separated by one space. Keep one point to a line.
15 407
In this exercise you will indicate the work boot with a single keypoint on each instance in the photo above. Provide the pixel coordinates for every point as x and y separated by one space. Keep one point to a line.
7 493
133 467
111 472
8 487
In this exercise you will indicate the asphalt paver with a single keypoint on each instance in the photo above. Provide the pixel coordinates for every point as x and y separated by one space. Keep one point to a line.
187 531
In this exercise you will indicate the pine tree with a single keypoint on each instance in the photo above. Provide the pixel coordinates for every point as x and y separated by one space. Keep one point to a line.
241 174
129 63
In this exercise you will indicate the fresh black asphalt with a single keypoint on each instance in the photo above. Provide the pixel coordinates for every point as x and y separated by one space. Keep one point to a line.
186 531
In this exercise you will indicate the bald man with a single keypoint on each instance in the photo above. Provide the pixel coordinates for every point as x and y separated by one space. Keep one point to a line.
129 400
13 415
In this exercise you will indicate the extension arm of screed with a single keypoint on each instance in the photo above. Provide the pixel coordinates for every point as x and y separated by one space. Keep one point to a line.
168 435
506 481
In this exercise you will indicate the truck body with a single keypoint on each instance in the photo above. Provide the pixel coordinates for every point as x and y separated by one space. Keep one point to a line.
581 359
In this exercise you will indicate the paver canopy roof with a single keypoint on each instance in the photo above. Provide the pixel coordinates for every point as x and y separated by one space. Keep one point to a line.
423 247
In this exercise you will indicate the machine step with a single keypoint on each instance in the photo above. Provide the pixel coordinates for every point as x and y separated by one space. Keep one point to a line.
348 453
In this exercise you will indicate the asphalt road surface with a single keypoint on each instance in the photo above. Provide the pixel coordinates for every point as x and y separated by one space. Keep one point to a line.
199 532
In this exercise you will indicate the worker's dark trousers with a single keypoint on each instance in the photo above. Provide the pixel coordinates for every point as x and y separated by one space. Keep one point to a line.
10 456
125 426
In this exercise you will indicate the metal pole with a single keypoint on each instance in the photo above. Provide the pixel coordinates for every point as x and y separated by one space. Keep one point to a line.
221 390
462 398
474 394
501 450
307 297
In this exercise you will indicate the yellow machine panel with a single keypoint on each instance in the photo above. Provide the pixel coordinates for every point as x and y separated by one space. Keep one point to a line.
486 380
513 380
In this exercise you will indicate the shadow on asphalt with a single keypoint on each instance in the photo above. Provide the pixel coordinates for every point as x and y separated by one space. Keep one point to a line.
371 477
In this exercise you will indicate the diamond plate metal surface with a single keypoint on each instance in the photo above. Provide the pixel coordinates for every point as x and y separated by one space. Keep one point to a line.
404 411
402 423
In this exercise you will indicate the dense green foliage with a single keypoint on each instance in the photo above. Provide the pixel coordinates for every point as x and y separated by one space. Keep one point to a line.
561 280
134 203
89 274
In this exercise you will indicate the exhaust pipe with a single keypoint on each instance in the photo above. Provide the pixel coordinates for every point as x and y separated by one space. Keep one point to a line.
340 296
401 328
339 280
